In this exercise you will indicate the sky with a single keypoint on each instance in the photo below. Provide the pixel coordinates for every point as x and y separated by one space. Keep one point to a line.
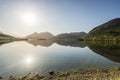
23 17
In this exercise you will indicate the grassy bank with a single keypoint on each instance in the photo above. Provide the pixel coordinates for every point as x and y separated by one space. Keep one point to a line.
78 74
101 38
6 40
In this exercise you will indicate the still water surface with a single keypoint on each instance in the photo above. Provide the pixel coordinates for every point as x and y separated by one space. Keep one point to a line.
23 57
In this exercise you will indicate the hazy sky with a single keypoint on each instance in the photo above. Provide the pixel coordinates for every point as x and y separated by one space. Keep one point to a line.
22 17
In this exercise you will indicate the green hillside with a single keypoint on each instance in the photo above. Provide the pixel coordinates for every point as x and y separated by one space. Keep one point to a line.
108 31
6 38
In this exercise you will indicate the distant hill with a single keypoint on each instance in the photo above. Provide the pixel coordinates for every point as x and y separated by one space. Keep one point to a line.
43 35
110 27
5 36
73 35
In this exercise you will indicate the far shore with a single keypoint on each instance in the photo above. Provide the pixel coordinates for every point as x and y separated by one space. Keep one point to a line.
78 74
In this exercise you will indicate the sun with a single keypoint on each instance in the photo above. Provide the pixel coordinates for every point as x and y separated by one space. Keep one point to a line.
29 18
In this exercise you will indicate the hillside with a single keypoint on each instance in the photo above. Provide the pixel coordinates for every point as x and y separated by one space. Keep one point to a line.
108 31
110 27
74 35
5 36
43 35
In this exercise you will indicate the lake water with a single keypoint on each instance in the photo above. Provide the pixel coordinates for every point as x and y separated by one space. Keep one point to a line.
23 57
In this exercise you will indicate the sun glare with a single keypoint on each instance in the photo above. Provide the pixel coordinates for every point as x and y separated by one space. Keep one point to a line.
29 19
29 60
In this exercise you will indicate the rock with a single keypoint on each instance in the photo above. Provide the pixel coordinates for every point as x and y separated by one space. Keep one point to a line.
37 75
51 72
41 77
63 74
1 77
11 78
67 73
29 74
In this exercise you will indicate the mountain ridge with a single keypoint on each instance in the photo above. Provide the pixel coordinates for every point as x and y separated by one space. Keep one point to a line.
107 32
42 35
110 25
72 35
5 36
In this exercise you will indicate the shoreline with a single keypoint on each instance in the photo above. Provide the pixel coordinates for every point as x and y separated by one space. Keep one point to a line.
78 74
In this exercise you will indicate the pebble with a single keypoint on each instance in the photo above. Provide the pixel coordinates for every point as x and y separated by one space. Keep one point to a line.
1 77
51 72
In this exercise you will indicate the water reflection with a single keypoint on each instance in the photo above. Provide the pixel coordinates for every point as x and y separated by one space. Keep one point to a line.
2 43
21 58
47 43
71 43
29 60
110 51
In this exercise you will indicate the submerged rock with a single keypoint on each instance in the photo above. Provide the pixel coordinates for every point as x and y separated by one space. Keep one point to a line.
1 77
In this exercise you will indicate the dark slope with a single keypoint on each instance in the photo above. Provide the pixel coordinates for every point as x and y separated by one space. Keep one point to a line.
5 36
110 27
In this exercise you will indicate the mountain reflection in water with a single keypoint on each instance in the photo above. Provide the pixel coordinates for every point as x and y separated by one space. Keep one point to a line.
47 43
108 50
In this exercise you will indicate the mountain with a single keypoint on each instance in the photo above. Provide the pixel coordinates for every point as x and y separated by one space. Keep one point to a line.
109 31
43 35
73 35
110 27
5 36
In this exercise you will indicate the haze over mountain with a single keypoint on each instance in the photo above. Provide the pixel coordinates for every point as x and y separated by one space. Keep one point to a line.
73 35
48 35
43 35
110 28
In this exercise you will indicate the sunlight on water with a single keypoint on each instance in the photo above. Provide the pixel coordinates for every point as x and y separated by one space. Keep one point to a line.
29 60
